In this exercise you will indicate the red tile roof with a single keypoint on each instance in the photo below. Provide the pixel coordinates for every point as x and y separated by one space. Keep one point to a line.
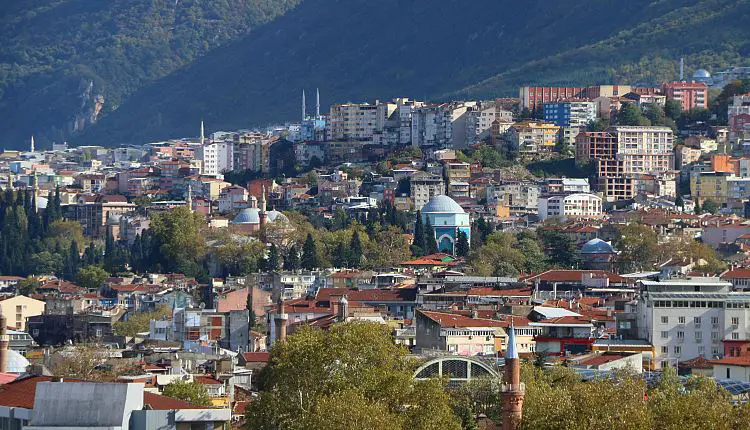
256 357
370 295
599 359
206 380
490 291
455 320
738 273
733 361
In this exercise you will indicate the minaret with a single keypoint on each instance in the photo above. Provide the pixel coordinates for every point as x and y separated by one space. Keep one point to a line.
513 389
303 105
203 133
281 319
317 103
343 309
262 211
189 200
3 343
32 144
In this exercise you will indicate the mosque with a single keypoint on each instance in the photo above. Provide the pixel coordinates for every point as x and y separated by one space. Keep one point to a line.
254 217
448 219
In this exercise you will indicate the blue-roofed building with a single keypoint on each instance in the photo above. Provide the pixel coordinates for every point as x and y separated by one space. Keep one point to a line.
597 254
448 219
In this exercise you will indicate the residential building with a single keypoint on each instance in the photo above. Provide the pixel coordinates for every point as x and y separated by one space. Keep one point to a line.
432 126
16 309
457 334
576 205
570 114
691 95
217 157
692 317
521 196
532 136
424 187
352 121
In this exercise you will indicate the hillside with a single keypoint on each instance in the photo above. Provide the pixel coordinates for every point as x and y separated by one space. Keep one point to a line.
66 63
354 51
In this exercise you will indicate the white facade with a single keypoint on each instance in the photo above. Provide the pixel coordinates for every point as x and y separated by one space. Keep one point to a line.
687 318
432 126
353 121
578 205
645 149
521 195
424 187
217 157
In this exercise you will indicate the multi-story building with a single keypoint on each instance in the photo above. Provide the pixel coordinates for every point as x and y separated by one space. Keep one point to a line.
353 121
534 98
250 151
217 157
432 126
424 187
694 317
480 118
94 211
16 309
517 196
457 334
710 186
577 205
570 114
531 136
621 152
691 95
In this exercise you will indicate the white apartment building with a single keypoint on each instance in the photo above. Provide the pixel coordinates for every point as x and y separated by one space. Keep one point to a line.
353 121
523 196
432 126
425 186
577 205
644 149
687 318
216 157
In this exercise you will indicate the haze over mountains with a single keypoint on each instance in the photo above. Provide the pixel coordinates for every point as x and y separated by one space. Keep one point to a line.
244 63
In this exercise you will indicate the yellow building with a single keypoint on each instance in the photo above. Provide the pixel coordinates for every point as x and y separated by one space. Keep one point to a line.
710 186
17 309
532 136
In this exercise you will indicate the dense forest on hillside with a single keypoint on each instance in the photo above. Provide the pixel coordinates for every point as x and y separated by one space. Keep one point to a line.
66 63
156 67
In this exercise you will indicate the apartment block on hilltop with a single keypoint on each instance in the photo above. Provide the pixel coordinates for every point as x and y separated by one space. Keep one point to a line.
691 95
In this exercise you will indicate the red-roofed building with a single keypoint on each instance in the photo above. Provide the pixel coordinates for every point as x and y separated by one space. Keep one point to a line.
457 333
737 368
739 277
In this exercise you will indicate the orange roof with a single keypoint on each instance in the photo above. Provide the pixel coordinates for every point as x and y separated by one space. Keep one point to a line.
489 291
599 359
455 320
733 361
207 380
738 273
256 357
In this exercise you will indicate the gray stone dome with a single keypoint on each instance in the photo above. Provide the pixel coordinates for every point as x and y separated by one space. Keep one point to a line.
597 246
17 363
702 74
442 204
252 216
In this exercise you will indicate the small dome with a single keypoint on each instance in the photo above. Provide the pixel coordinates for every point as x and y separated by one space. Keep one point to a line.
17 363
247 216
443 204
276 216
701 73
597 246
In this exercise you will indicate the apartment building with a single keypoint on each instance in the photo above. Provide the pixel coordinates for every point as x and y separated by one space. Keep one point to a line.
577 205
533 98
216 157
250 151
353 121
691 95
532 136
432 126
695 317
570 114
519 196
424 187
621 152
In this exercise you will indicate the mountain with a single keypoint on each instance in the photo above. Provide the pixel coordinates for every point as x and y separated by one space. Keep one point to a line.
66 63
357 50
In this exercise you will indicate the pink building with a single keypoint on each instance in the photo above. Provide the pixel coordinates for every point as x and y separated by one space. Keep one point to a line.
690 94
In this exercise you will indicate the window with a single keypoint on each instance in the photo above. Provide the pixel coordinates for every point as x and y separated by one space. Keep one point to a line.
735 336
665 350
680 335
714 320
665 320
664 334
681 320
677 350
714 335
697 320
729 373
698 336
735 321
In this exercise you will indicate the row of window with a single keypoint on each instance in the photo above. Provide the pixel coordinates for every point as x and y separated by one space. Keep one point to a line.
687 304
696 320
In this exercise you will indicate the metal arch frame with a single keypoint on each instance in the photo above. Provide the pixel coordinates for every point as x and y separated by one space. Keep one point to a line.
469 360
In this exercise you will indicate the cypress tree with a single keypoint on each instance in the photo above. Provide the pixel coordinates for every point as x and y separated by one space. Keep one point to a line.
291 262
309 253
340 256
273 258
431 246
462 245
418 246
355 250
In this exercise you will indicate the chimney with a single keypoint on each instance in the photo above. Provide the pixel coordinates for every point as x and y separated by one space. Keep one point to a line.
3 343
343 311
474 313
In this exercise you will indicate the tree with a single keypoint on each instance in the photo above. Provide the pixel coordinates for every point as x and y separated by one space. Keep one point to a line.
462 246
191 392
91 277
28 286
673 109
180 240
340 257
139 322
314 377
418 245
273 261
291 261
638 246
630 114
679 202
710 206
309 254
431 246
499 256
560 249
355 250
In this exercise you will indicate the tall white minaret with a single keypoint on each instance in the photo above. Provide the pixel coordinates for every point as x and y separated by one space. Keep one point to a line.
32 143
317 103
203 133
303 105
189 201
